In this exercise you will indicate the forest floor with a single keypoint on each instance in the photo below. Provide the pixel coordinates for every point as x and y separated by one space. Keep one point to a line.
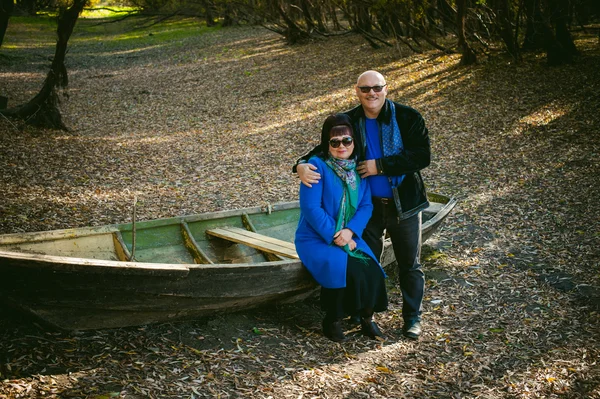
193 120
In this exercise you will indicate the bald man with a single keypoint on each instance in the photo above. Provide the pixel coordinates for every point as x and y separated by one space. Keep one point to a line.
392 145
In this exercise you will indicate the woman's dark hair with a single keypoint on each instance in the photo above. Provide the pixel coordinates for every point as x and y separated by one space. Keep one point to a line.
335 125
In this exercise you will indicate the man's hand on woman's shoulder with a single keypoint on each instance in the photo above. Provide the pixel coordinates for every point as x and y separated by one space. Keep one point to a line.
306 173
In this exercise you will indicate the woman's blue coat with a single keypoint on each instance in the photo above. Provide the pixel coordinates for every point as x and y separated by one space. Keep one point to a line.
319 208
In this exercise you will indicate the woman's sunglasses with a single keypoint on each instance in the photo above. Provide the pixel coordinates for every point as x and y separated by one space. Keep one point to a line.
346 141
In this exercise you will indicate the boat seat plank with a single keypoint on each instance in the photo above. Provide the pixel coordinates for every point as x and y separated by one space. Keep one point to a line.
255 240
250 227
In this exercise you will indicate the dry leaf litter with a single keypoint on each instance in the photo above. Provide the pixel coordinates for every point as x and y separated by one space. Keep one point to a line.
215 121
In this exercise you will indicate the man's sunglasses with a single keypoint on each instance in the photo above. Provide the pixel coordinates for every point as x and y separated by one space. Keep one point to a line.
367 89
346 141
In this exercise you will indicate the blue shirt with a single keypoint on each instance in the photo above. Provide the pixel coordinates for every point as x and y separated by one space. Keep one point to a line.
380 184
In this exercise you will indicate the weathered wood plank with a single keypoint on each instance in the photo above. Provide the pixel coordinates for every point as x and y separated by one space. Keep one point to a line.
255 240
250 227
121 250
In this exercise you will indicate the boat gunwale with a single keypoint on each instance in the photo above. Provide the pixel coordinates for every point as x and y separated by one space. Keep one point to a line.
72 263
87 264
77 232
443 213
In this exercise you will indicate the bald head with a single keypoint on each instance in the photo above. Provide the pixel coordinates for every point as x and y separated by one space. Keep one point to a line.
370 75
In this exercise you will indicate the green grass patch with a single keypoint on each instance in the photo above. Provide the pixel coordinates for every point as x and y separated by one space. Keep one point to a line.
135 32
106 13
101 28
25 33
429 254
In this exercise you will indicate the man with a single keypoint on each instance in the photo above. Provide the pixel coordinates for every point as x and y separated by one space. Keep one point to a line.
392 144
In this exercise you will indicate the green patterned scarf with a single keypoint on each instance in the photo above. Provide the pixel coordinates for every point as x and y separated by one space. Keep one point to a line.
345 169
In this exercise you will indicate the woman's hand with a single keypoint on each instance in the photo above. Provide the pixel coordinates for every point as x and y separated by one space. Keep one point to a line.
306 173
343 237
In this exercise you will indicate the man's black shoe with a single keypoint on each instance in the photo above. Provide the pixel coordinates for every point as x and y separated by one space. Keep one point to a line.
412 330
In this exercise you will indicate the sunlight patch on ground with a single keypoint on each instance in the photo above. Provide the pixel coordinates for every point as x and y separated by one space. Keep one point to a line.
422 80
278 126
113 53
355 373
543 116
22 75
239 49
96 13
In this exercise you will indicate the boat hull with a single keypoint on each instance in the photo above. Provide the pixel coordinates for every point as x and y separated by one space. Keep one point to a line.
74 299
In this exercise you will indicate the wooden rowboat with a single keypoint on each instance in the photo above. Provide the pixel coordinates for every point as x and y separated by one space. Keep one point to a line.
183 268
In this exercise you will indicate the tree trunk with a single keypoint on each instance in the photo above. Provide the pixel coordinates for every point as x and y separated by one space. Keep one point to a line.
208 13
534 28
363 18
306 14
320 17
333 17
293 33
447 14
42 110
563 36
558 51
6 9
504 23
30 6
228 19
468 56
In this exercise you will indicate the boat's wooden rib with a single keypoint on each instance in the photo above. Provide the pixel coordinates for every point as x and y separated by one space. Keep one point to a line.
248 223
254 240
188 239
121 250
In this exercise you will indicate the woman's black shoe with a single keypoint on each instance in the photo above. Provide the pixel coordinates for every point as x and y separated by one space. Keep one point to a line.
333 330
370 329
354 320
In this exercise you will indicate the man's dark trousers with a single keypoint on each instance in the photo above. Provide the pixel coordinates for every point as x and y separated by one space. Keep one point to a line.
406 240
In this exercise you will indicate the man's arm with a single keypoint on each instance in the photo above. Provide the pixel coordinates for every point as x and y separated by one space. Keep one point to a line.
306 171
308 174
304 158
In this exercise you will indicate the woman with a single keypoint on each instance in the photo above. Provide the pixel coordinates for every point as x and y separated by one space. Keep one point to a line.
334 213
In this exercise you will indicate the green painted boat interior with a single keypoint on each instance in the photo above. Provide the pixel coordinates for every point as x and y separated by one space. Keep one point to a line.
159 243
284 229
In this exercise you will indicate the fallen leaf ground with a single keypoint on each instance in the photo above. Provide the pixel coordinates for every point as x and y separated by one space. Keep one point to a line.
202 120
